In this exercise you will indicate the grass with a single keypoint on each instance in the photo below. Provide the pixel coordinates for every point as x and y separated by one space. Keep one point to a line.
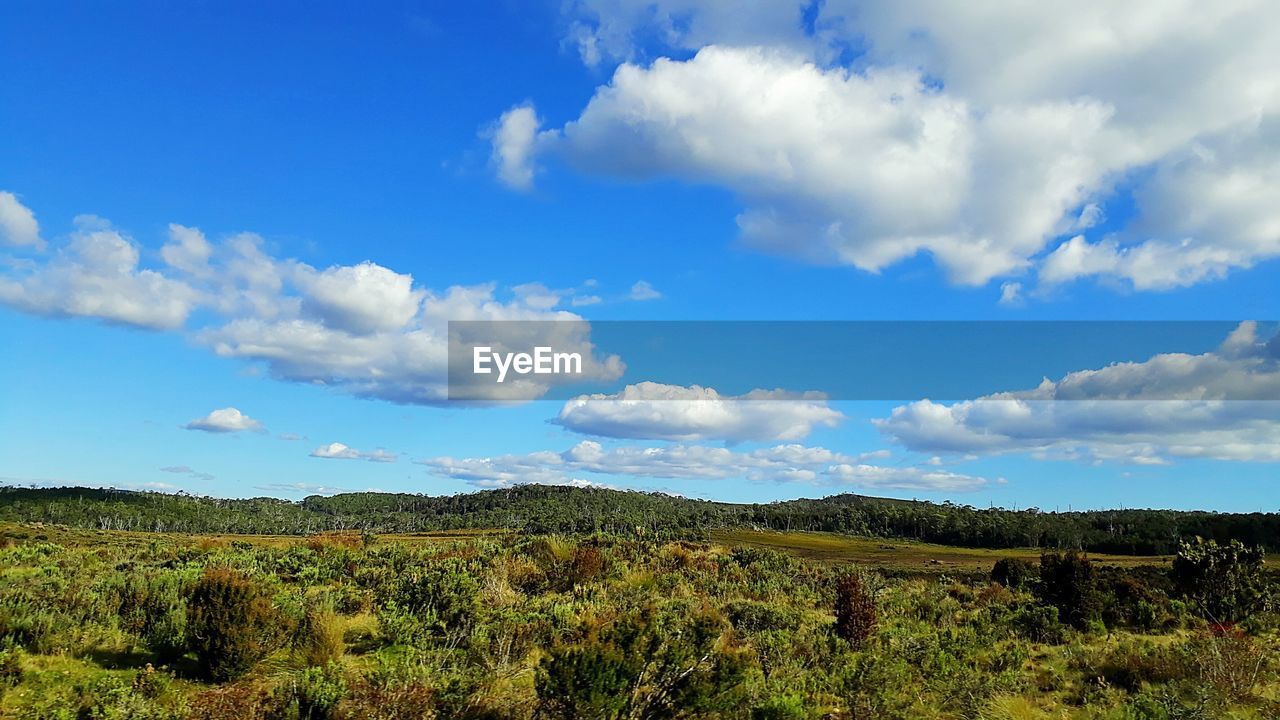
81 537
900 555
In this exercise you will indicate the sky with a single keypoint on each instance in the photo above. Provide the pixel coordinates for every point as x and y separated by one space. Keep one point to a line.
232 236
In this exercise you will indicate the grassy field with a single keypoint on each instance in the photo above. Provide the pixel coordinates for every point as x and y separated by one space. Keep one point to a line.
900 555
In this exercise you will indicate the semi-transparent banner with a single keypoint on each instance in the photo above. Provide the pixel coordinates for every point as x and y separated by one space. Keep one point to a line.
867 360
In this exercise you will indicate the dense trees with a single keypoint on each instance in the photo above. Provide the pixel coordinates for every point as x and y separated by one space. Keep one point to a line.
543 509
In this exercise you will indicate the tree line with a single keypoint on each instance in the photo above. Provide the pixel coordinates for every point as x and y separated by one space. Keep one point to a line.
557 509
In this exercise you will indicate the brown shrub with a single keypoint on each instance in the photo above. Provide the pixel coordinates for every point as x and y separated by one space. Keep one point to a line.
855 610
231 624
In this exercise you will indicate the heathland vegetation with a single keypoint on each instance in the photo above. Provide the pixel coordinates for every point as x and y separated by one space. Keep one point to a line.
570 603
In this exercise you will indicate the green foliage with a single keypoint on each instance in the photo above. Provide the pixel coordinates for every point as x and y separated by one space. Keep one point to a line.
652 663
514 627
538 509
439 595
855 610
1013 572
232 624
1069 582
1223 582
1039 623
313 694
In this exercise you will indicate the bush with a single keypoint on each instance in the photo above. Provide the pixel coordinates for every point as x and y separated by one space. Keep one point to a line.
151 606
649 664
1068 582
855 610
319 636
1039 624
312 694
232 624
442 595
1013 572
1133 603
1224 582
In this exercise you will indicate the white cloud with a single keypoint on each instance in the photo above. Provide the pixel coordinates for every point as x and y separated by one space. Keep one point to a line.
361 299
642 290
653 411
225 420
97 275
1221 405
18 224
363 328
782 464
339 451
514 138
978 134
188 471
187 250
1011 293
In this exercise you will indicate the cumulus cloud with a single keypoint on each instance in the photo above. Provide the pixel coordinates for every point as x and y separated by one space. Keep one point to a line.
654 411
782 464
187 250
1222 405
97 275
18 224
364 328
339 451
225 420
361 299
982 136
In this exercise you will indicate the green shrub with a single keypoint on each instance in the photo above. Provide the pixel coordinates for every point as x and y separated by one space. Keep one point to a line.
1224 582
649 664
313 694
1039 623
441 594
1013 572
1069 582
855 610
27 624
232 624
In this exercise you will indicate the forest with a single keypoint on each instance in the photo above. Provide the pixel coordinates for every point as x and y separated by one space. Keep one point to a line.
538 509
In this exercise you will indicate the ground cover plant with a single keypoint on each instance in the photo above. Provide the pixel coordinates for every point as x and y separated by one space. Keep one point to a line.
105 624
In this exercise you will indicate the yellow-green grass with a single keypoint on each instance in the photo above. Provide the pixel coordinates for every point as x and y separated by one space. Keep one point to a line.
82 537
900 554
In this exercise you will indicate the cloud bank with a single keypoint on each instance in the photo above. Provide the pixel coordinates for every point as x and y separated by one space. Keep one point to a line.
782 464
992 138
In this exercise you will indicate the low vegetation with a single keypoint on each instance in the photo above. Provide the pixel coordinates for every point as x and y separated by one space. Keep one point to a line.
103 624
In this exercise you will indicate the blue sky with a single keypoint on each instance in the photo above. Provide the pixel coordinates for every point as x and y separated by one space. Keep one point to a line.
676 160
